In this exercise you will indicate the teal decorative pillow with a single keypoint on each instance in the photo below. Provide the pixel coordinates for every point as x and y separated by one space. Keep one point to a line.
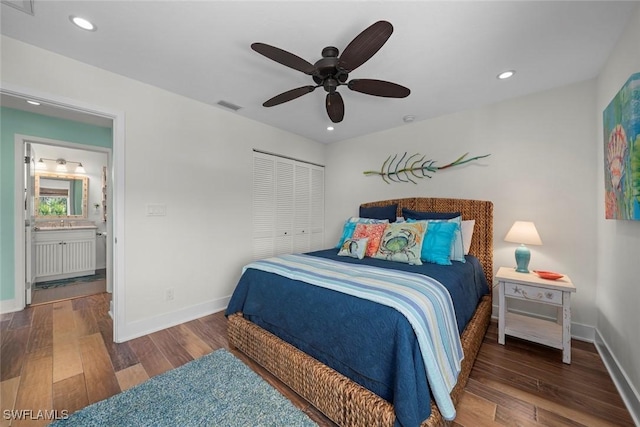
402 242
457 245
354 248
350 226
437 242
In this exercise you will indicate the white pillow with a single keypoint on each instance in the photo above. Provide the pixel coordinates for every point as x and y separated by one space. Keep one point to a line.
354 248
467 234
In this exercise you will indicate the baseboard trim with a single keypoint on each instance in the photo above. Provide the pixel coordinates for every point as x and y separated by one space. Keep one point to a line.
147 326
629 394
9 306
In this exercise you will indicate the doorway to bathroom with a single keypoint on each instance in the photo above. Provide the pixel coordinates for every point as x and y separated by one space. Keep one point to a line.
69 229
66 235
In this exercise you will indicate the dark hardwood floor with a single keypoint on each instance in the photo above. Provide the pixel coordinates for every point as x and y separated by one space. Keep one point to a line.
61 356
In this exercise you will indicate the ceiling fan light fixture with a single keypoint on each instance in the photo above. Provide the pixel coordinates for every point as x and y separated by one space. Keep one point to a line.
83 23
332 71
506 74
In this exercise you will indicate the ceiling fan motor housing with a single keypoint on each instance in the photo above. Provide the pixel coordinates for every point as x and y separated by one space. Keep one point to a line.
327 72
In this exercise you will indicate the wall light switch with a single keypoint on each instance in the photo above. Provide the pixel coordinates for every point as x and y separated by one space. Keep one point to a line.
156 209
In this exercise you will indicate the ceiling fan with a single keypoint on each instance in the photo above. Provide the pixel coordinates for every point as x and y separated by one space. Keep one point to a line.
333 70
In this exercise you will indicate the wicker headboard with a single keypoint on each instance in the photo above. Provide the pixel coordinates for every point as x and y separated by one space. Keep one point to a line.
480 210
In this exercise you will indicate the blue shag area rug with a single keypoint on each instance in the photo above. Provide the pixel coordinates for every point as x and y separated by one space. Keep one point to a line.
216 390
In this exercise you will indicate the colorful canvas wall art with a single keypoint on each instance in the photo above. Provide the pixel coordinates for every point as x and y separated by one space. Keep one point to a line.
621 120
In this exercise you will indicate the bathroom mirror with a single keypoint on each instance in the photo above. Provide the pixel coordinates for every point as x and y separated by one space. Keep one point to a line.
61 196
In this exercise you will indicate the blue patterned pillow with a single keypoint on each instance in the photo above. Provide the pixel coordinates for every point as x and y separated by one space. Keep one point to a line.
354 248
402 242
350 226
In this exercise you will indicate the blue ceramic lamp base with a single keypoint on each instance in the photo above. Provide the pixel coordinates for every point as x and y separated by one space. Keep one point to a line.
523 255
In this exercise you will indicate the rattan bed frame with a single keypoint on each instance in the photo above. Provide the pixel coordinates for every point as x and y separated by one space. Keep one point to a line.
339 398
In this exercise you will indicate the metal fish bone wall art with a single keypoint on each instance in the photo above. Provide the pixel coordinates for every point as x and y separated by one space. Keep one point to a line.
404 169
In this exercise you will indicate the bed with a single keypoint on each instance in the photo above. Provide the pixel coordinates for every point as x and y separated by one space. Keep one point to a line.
340 397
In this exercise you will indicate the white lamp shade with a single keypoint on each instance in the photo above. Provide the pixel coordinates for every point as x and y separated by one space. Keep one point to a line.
41 165
62 165
523 232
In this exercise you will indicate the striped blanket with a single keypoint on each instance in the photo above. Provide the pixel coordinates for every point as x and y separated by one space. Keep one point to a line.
424 301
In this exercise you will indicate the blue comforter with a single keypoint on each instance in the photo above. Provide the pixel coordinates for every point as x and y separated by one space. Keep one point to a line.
372 344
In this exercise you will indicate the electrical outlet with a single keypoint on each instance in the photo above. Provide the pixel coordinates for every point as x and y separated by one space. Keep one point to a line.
169 295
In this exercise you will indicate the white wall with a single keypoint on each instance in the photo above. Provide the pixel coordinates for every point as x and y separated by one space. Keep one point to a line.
192 157
541 169
618 241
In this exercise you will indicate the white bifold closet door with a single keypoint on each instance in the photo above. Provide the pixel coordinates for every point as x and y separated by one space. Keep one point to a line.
288 206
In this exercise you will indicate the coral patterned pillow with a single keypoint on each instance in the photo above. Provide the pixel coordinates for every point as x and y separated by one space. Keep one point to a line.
350 226
371 231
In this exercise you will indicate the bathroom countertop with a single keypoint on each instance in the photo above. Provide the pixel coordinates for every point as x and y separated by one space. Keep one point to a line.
65 228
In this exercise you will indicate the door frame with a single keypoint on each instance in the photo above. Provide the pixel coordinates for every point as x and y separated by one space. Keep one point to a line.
20 142
29 171
116 196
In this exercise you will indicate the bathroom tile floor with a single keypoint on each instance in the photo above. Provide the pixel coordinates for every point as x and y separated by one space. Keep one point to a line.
100 274
61 290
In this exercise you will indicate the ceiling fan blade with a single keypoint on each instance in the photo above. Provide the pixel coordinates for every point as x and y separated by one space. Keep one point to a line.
289 95
379 88
365 45
284 57
335 107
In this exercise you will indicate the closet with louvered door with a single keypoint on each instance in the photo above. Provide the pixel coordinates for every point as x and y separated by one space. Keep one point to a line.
288 206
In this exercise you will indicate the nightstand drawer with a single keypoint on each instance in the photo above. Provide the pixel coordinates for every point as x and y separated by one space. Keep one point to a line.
533 293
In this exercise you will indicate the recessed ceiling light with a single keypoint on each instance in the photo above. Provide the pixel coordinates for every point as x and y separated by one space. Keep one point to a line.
506 74
409 118
33 102
329 128
83 23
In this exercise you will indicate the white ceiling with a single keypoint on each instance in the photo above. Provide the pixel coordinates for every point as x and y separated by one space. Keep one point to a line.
448 53
18 103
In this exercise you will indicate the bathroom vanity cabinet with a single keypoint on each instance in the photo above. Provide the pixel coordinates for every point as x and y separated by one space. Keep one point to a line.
65 253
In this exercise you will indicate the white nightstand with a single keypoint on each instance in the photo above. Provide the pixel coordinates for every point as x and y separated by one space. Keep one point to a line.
530 287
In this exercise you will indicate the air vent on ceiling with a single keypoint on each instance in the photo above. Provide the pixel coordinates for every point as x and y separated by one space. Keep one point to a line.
229 105
24 5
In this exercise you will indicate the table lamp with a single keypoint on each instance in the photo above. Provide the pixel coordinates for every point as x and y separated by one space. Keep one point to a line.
525 233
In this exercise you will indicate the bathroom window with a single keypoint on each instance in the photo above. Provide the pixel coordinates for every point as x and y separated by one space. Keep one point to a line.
53 201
